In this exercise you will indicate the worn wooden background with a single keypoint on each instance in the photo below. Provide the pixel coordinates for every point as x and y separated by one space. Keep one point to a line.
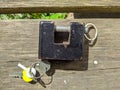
19 43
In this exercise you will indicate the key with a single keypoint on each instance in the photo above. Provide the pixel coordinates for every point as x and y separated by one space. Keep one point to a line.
16 75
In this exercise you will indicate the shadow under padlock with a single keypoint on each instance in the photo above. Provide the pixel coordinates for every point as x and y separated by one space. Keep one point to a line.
65 47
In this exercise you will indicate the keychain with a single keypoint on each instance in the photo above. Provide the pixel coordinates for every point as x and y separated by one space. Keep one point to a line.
27 73
34 73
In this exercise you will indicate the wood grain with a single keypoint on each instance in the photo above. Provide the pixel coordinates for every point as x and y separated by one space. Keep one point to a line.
28 6
19 43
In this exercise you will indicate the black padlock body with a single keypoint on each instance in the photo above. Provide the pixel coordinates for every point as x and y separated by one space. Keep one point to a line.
50 50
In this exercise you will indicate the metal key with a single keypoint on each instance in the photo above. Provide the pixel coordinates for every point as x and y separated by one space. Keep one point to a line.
16 75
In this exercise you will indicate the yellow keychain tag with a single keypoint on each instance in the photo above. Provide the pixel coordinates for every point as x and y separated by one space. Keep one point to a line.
26 75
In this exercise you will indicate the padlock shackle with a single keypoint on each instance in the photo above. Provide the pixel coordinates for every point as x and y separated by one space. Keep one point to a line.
62 29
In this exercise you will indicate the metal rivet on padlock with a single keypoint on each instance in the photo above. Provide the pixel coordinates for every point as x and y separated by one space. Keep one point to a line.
26 73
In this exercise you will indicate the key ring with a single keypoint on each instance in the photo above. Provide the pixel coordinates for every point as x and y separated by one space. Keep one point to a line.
87 27
41 74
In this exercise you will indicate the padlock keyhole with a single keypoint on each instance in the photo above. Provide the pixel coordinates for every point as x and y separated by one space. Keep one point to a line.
61 37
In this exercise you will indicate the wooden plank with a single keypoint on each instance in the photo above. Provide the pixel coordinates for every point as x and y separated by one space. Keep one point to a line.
28 6
96 15
19 43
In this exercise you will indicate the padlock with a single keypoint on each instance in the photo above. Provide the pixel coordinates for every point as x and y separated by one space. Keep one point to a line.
61 42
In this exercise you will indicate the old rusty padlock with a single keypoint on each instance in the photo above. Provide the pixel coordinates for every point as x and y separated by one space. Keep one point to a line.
61 42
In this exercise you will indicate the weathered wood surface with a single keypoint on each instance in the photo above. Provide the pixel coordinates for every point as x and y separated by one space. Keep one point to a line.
17 6
19 43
